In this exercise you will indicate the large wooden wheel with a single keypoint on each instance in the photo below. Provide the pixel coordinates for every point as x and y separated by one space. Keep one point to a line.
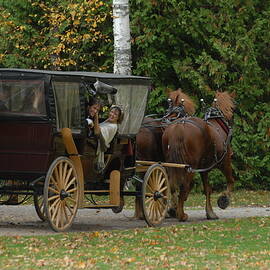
61 194
155 195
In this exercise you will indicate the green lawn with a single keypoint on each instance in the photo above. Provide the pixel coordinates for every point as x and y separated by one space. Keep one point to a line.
230 244
222 244
238 199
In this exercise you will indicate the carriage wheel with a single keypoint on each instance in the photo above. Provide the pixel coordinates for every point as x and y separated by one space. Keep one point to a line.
155 195
39 206
61 194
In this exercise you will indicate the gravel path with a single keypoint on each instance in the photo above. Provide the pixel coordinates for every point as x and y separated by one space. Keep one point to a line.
22 220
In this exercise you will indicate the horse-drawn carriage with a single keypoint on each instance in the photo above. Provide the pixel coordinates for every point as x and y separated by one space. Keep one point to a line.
46 153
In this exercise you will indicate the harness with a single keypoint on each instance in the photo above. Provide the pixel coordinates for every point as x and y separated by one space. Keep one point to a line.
216 114
166 119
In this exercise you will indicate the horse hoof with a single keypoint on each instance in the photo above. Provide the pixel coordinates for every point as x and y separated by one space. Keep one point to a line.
223 201
171 213
183 218
212 216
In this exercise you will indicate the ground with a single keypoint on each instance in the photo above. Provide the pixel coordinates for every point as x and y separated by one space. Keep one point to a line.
22 219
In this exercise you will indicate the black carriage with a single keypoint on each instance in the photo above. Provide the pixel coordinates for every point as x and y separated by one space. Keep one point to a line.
46 152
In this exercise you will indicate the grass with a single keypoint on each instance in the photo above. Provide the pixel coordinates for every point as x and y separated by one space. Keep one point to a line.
222 244
230 244
239 198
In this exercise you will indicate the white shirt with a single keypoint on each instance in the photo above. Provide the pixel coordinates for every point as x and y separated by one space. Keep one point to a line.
108 131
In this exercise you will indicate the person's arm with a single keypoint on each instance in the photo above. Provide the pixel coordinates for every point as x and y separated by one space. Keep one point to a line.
96 125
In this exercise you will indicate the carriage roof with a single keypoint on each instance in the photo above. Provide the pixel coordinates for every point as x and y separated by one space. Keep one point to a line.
80 74
131 95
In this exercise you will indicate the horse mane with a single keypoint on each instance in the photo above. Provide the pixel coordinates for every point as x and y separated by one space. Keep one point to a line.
225 102
177 96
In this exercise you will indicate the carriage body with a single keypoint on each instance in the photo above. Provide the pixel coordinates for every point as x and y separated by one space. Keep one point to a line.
38 105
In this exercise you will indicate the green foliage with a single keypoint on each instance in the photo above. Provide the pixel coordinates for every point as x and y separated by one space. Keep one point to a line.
198 45
55 34
204 46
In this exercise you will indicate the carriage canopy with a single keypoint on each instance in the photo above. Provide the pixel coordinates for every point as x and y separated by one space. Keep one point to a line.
60 96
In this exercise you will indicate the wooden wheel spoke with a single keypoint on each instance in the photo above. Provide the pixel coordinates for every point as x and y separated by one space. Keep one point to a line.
67 176
70 199
62 219
53 198
53 190
64 172
65 211
58 215
150 188
51 206
163 189
151 181
55 182
57 178
72 190
162 204
148 195
159 210
160 176
60 170
162 182
69 208
148 200
54 210
150 209
70 183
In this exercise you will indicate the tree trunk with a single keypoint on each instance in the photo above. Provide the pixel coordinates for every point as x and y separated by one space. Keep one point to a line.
121 30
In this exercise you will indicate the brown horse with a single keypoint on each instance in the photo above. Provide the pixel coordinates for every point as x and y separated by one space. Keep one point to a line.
203 144
149 137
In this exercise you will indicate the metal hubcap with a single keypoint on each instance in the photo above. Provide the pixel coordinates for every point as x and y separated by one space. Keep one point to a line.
64 194
157 195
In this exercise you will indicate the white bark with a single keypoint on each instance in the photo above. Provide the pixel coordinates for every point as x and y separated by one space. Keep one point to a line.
121 30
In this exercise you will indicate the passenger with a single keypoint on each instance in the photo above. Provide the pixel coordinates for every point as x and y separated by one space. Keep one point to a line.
93 107
106 132
33 102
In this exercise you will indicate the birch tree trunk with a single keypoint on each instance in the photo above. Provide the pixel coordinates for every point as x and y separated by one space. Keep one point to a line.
121 31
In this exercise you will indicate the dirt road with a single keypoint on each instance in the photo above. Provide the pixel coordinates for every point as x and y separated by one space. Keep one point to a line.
22 220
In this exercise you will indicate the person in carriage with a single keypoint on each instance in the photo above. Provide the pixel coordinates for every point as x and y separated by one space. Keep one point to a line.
106 131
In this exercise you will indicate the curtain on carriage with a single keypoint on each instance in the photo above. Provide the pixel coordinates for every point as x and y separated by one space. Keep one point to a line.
132 98
68 108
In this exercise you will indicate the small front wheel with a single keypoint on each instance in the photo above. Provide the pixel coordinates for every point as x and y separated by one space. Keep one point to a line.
155 195
61 194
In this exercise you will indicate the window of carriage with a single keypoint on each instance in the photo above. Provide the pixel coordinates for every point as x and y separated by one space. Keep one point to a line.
68 107
22 96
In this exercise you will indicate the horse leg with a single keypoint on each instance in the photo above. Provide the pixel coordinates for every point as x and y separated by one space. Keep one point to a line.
173 204
183 195
210 214
224 200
